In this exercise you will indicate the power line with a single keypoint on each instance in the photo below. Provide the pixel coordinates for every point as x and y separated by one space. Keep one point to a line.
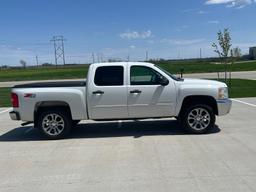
59 51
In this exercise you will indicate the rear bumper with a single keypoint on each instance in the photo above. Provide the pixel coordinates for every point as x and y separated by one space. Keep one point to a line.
224 106
14 115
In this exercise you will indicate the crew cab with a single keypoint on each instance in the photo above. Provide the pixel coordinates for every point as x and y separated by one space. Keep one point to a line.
118 91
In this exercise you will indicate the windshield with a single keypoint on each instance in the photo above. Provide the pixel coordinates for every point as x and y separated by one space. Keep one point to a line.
169 74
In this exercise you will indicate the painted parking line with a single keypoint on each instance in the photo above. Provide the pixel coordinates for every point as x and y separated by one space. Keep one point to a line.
250 104
7 110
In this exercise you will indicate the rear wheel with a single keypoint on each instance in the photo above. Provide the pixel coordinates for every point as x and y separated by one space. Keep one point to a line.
54 124
198 118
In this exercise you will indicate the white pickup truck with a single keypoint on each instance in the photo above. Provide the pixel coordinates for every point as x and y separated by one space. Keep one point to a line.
118 91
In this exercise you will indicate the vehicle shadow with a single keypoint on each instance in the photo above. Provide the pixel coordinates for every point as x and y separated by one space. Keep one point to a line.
134 129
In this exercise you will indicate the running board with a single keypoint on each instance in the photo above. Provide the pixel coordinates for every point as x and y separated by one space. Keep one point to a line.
26 123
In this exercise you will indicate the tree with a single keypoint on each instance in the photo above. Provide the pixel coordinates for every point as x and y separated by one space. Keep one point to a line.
237 53
223 47
23 63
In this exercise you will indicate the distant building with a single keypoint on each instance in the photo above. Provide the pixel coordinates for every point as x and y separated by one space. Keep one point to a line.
252 53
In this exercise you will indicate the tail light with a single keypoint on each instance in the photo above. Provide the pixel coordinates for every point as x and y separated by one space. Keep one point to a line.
15 100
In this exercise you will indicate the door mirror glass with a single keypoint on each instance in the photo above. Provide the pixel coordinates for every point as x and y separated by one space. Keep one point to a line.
163 81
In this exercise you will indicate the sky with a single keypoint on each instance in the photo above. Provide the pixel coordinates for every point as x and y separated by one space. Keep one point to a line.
118 29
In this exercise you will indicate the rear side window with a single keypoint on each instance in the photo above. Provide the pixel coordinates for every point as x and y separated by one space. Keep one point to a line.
109 76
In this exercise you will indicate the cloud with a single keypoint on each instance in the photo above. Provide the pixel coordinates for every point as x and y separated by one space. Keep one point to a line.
132 46
182 28
182 41
201 12
187 10
231 3
214 22
136 35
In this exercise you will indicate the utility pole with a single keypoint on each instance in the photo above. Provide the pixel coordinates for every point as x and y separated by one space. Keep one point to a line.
98 57
200 53
93 58
37 64
146 55
59 51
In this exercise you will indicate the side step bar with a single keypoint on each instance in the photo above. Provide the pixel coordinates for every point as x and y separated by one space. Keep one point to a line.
26 123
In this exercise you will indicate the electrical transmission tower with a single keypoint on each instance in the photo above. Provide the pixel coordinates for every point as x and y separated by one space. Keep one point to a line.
59 51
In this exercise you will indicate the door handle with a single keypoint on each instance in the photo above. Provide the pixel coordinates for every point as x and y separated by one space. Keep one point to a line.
135 91
98 92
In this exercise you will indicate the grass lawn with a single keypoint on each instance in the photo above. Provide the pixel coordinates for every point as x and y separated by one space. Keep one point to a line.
5 100
200 67
80 71
240 88
44 73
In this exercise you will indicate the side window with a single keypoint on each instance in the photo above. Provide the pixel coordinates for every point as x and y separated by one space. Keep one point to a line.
109 76
140 75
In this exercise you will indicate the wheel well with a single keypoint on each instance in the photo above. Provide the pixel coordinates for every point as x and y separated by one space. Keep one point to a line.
46 105
208 100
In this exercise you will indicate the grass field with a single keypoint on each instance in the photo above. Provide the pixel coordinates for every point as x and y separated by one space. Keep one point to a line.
240 88
5 97
80 71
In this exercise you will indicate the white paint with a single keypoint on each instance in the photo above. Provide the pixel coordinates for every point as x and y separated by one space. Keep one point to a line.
252 105
119 102
9 109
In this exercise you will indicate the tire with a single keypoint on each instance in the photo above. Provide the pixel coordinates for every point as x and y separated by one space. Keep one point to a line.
198 119
54 123
75 122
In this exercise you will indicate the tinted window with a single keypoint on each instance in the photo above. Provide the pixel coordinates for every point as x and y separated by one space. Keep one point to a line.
144 76
109 76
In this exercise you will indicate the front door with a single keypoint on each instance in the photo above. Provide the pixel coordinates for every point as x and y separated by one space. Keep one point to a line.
146 97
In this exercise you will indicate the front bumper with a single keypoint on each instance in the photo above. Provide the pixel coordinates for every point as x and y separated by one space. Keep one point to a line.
224 106
14 115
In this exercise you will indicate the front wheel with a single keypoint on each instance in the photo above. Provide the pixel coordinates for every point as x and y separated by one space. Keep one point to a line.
54 124
198 119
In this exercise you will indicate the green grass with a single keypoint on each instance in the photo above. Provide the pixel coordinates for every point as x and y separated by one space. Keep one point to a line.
239 88
44 73
5 100
242 88
198 67
80 71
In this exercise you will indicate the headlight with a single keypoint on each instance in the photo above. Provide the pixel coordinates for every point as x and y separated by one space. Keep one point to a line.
223 93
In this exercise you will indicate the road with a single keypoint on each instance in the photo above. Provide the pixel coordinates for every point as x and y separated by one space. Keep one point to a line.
133 156
236 75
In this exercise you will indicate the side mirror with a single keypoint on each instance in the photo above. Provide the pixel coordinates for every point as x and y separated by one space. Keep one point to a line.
163 81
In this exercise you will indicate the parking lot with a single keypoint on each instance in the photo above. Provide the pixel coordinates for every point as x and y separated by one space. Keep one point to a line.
150 155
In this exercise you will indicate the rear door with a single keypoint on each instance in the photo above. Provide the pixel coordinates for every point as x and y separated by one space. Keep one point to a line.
107 93
146 97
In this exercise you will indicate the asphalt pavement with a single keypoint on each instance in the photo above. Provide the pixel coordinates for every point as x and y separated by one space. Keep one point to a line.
150 155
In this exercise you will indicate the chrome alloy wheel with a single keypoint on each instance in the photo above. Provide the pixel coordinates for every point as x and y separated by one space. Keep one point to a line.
199 119
53 124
